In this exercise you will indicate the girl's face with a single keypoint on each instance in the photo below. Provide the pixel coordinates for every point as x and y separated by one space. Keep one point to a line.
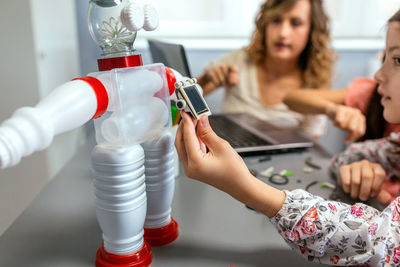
388 76
287 34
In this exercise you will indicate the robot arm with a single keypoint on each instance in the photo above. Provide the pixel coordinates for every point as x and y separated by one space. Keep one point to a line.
33 128
188 94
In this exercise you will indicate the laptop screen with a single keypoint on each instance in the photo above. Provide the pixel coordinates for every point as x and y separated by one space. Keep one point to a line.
171 55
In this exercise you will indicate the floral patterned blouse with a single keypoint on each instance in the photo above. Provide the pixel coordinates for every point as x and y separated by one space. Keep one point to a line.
336 233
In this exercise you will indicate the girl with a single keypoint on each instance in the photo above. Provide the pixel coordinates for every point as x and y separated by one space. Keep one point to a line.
323 231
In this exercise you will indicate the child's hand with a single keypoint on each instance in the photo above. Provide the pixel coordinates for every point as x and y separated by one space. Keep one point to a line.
349 119
220 167
364 180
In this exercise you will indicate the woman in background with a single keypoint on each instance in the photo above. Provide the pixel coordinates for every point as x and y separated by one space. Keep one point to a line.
290 48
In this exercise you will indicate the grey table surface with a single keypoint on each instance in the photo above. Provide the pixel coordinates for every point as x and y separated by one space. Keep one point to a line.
59 227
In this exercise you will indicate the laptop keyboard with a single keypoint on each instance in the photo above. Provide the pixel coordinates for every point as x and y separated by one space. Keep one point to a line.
236 135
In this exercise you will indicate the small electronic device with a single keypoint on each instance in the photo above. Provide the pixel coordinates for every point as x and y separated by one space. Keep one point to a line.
190 98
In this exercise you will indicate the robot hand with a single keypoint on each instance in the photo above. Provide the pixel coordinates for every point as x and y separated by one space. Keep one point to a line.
190 98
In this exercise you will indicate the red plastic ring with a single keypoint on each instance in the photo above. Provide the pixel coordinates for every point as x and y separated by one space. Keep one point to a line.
106 64
101 94
163 235
141 258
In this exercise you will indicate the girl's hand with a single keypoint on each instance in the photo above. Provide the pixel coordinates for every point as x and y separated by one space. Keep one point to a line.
222 167
363 180
348 119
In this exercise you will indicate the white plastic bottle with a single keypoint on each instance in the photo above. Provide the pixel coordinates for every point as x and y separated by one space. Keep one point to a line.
120 196
160 227
67 107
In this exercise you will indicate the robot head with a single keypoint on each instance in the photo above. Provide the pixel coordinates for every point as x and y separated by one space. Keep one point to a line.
113 24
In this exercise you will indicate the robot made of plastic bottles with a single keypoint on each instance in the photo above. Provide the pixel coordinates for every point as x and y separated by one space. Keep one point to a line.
133 162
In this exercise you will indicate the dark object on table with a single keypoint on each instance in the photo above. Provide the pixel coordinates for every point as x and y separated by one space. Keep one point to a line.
278 179
310 184
310 163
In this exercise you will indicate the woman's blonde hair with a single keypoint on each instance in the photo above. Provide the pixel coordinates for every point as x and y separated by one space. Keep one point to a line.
317 58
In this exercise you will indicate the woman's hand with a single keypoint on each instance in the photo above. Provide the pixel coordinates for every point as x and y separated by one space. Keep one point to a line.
363 180
222 167
348 119
223 75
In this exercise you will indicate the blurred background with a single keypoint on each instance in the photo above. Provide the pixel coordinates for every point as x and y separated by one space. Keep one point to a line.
45 43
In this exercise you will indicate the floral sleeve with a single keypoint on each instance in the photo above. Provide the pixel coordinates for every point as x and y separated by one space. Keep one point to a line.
383 151
335 233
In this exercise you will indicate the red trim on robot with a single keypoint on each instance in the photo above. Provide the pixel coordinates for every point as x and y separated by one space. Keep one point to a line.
105 64
171 79
101 94
163 235
142 258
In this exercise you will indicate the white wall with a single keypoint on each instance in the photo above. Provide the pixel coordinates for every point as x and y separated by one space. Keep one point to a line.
57 61
224 19
38 52
18 87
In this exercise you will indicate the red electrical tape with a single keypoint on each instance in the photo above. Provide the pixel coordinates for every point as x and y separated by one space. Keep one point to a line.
101 94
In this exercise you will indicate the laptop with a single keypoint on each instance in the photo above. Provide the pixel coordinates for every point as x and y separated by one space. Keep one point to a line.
247 134
250 135
171 55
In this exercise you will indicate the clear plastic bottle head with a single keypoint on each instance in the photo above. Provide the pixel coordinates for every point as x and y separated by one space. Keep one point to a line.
107 30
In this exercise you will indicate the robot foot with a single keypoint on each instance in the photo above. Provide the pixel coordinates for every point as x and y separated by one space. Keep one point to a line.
163 235
141 258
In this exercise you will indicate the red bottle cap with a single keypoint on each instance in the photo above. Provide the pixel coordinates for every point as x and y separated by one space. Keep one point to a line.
105 64
142 258
101 94
163 235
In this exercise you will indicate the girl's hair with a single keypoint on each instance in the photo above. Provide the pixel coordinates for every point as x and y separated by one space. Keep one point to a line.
376 124
316 60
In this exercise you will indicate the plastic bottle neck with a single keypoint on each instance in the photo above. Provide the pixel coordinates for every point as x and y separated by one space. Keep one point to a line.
105 64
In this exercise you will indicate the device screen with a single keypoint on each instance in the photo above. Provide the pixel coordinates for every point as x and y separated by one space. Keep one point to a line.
196 100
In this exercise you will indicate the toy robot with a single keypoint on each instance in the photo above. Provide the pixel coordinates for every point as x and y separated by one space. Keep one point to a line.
133 162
